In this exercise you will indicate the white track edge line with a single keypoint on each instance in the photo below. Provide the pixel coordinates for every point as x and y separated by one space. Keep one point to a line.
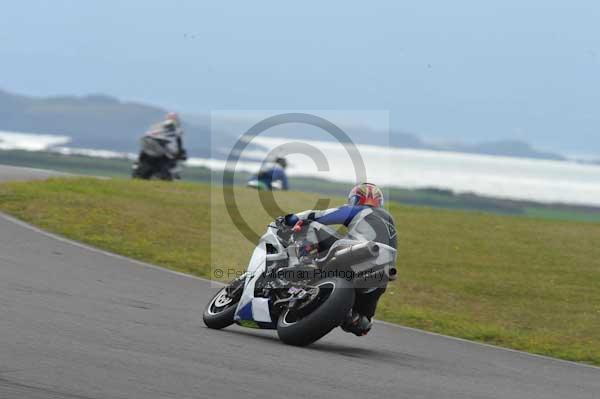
501 348
48 172
100 251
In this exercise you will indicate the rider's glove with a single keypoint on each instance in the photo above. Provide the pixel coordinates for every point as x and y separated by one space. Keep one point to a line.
290 220
283 223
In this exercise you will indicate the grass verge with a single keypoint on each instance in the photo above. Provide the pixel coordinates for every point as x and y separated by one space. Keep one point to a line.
522 283
431 197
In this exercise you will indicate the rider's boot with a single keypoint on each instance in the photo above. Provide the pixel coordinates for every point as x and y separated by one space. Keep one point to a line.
357 324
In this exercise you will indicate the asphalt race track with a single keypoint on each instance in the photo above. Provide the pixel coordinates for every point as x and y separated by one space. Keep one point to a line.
16 173
80 323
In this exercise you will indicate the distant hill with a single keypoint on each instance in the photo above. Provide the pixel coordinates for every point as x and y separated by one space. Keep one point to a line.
94 121
103 122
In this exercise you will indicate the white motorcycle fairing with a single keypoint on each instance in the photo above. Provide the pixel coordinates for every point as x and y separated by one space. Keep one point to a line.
255 311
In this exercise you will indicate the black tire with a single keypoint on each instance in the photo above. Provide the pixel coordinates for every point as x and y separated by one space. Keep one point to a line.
143 171
328 315
164 173
216 316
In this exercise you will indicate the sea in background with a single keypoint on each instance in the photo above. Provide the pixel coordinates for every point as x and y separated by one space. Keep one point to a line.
502 177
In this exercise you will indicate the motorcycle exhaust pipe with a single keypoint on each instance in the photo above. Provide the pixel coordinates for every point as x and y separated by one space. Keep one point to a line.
391 272
355 254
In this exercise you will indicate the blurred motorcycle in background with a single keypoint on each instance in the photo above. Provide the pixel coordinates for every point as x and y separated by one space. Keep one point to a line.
161 152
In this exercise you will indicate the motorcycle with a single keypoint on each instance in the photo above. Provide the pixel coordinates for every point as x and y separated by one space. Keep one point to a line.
160 169
302 296
156 162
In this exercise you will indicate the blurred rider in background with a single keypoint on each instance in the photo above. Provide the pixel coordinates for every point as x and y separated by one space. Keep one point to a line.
162 147
271 176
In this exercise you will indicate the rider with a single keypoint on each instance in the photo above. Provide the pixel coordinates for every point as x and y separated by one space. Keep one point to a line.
172 123
272 172
366 220
162 145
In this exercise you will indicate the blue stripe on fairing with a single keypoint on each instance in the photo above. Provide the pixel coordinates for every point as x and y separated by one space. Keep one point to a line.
342 215
245 313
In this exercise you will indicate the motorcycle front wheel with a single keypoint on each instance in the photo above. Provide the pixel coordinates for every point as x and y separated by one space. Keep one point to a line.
328 311
220 310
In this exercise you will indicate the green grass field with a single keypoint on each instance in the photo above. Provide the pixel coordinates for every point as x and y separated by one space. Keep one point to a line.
524 283
436 198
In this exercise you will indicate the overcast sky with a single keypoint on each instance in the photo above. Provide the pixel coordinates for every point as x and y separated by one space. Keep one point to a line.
446 70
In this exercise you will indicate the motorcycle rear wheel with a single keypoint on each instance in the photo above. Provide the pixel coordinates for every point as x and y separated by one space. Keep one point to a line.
336 299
